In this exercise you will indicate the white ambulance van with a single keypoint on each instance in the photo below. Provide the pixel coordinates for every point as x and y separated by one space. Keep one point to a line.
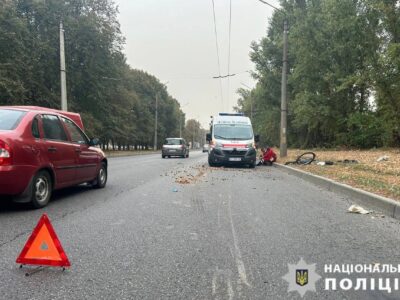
232 141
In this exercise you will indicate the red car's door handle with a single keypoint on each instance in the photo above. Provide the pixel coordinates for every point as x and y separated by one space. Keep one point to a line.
52 149
78 150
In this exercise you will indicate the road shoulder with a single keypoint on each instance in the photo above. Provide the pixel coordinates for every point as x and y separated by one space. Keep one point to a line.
384 205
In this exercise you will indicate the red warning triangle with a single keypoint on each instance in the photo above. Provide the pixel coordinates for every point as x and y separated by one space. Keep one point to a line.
43 247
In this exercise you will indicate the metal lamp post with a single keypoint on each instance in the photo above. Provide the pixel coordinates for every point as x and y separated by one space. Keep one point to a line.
156 118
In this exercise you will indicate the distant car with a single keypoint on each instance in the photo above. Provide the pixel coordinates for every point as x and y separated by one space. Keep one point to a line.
175 147
42 150
205 148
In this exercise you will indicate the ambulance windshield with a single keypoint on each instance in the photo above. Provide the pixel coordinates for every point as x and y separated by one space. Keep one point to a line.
233 132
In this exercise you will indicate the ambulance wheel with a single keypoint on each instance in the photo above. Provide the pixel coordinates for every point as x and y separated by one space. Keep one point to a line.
41 189
163 156
211 164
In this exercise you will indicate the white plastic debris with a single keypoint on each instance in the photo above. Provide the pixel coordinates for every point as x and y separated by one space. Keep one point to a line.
358 210
321 163
383 158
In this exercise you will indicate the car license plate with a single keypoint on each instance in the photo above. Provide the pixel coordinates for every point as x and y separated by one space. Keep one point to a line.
172 150
235 159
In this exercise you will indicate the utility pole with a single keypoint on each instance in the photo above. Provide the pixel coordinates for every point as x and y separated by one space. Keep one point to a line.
283 140
156 117
155 124
180 125
251 109
64 104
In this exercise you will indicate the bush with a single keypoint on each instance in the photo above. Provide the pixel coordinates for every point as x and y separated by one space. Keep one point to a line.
364 130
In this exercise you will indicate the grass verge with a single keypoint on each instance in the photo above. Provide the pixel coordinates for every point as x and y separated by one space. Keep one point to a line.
382 178
121 153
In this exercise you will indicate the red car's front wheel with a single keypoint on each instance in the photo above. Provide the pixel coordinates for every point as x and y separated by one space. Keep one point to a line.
101 179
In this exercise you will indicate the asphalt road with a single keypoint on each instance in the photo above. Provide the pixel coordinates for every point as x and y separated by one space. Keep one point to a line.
177 229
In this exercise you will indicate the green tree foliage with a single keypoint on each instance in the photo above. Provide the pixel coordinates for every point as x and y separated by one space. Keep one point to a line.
116 102
194 133
386 72
344 74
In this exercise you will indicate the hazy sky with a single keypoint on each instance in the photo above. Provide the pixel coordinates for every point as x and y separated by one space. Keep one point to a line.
174 40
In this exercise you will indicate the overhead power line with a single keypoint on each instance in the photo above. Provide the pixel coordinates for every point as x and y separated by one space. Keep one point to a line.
224 76
230 75
216 43
229 49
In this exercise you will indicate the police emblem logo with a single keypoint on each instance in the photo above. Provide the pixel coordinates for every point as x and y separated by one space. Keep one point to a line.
301 277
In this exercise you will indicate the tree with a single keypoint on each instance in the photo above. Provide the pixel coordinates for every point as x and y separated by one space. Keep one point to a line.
194 133
115 101
343 72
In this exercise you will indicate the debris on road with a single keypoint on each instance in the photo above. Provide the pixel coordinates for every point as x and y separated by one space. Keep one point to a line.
348 161
377 216
325 163
383 158
175 190
358 168
190 175
358 210
182 180
308 158
303 159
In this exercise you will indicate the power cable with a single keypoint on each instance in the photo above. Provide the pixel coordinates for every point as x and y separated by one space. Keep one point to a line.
229 48
225 76
216 43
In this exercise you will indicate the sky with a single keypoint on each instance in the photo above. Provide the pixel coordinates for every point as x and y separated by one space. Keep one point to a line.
174 40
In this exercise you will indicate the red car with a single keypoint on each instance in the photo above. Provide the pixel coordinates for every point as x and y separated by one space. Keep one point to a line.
42 150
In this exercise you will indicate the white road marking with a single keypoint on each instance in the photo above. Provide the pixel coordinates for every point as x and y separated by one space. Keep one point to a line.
218 210
231 294
238 256
225 275
214 282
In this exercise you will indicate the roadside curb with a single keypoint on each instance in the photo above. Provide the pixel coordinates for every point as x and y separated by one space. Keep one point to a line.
381 204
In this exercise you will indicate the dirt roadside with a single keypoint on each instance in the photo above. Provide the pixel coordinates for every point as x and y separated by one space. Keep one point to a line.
382 178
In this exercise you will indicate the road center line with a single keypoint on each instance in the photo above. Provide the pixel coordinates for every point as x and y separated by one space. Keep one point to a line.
238 256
